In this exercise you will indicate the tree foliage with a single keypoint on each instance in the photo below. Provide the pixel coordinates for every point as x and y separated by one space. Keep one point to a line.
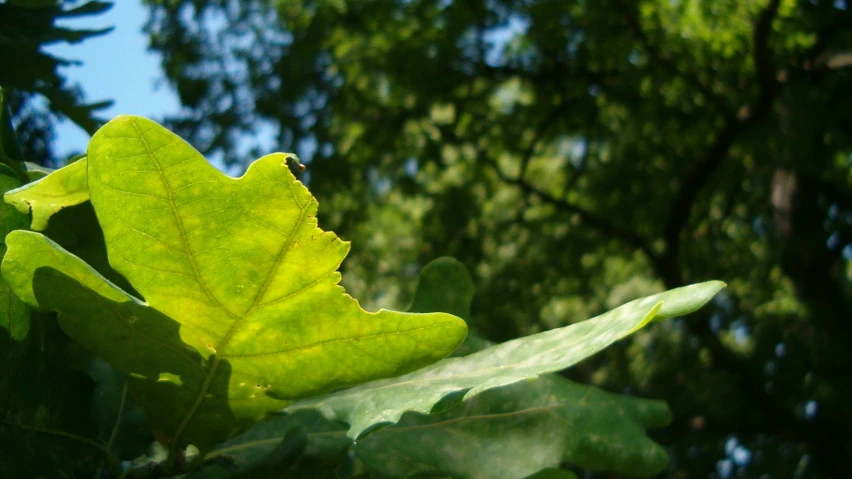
572 154
241 306
225 308
32 75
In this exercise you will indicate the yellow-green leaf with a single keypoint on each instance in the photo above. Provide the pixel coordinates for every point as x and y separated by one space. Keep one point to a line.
241 311
46 196
14 314
386 400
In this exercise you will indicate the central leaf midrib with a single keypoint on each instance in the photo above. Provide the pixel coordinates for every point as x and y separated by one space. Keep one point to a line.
220 351
238 319
179 223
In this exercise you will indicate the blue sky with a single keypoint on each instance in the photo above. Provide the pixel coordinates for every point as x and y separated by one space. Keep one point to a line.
118 66
115 66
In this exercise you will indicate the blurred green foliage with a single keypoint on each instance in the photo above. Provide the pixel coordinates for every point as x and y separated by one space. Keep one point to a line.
575 154
31 75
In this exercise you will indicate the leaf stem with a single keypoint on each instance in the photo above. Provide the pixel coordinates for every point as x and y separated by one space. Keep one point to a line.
114 431
111 460
118 416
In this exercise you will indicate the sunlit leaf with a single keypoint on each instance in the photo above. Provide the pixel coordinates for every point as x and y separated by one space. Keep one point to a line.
386 400
46 196
241 313
14 314
505 432
515 430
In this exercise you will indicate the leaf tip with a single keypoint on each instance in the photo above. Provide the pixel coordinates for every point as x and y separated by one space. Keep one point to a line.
688 299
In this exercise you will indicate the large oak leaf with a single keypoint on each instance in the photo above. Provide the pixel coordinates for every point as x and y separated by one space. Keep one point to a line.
241 310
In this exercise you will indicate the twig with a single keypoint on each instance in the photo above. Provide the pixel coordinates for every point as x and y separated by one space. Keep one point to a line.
663 60
113 462
589 218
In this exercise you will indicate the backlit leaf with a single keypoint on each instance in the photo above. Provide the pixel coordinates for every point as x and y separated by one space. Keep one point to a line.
46 196
14 314
241 313
506 432
507 363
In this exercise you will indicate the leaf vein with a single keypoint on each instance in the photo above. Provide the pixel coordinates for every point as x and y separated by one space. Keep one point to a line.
328 341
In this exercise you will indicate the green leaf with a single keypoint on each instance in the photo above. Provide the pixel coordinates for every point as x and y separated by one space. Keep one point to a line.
242 312
63 195
45 197
386 400
77 230
509 431
325 449
14 314
36 171
515 430
444 285
44 416
44 391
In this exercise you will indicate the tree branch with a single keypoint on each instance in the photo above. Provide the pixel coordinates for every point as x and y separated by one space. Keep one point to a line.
748 379
660 58
580 168
108 457
590 219
542 129
702 172
763 61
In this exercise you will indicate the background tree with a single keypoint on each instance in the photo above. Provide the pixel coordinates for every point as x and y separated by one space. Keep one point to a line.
575 154
31 75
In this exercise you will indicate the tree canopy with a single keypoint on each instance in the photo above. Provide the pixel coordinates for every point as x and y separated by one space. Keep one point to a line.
31 75
573 154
